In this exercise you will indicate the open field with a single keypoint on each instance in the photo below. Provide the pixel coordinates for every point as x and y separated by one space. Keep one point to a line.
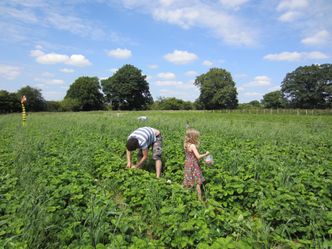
64 182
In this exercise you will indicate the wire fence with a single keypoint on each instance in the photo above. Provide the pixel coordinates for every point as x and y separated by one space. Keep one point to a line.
278 111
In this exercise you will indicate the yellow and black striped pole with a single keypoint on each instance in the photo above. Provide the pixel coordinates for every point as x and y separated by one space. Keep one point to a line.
24 115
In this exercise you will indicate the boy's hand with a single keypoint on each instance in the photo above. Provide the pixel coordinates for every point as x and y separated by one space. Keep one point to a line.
207 153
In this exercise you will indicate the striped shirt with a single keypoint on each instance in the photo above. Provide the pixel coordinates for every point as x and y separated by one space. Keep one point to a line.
145 137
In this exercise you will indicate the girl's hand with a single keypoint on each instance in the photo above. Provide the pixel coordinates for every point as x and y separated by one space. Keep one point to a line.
207 153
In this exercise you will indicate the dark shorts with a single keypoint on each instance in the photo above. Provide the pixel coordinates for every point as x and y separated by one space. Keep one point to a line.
156 149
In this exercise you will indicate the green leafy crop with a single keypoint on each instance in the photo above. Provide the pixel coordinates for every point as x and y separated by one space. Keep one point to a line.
64 182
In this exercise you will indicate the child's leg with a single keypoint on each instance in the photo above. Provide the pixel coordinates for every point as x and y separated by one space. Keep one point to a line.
157 153
158 168
199 192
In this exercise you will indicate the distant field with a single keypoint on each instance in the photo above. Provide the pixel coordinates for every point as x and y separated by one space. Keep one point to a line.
64 182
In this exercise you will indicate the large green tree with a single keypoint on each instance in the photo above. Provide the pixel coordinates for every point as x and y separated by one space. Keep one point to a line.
127 89
9 102
273 100
309 87
217 89
35 101
86 93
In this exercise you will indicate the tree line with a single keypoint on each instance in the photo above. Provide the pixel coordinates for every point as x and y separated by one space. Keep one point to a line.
306 87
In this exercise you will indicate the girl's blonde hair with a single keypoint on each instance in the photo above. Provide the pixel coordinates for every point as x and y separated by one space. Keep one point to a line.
191 137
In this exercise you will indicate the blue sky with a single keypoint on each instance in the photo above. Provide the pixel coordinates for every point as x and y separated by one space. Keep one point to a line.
49 44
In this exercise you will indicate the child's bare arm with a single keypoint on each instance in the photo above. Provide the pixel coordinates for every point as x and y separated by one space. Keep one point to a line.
145 156
196 153
129 159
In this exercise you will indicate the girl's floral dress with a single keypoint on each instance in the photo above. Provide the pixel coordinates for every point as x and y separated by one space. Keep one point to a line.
192 172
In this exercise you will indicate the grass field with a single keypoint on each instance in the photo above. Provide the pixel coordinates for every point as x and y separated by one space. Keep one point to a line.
64 182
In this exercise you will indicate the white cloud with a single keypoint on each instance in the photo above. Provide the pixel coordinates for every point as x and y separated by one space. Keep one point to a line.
120 53
22 15
50 15
9 72
315 55
233 4
207 63
39 47
293 9
296 56
191 73
166 2
167 76
54 58
56 82
36 53
202 14
289 16
181 57
284 56
318 38
51 58
184 17
292 4
78 60
67 70
259 81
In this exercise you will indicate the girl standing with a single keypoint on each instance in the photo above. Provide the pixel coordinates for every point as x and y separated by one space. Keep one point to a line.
192 172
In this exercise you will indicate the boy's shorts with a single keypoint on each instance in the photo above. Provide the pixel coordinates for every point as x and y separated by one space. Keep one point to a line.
156 149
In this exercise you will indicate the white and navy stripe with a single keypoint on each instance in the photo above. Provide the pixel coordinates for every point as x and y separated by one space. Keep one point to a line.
145 136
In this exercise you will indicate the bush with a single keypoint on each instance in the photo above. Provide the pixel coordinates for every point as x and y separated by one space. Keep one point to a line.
70 104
